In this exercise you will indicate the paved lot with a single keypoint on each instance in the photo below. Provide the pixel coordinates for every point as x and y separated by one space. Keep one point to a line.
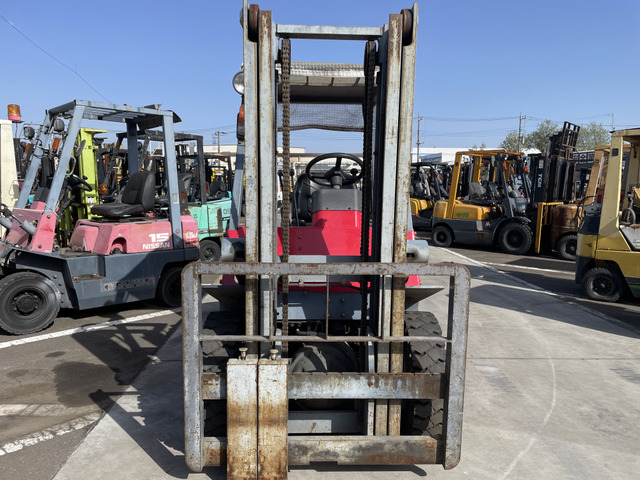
551 392
58 383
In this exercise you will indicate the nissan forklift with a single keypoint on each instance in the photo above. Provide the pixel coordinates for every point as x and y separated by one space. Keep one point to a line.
608 247
324 345
131 252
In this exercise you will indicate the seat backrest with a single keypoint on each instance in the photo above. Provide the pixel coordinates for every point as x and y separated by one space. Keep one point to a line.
140 190
475 189
217 190
302 192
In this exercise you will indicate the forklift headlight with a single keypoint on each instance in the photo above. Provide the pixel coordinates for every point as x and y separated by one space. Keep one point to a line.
238 82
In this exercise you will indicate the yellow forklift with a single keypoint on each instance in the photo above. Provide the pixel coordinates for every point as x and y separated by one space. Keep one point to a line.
608 264
556 200
496 201
429 184
493 210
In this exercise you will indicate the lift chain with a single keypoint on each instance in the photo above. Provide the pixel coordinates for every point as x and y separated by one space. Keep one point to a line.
367 154
286 179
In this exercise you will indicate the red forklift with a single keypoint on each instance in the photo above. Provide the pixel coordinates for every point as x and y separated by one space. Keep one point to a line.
325 345
132 252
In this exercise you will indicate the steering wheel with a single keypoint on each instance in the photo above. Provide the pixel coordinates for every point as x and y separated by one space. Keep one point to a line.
77 181
334 177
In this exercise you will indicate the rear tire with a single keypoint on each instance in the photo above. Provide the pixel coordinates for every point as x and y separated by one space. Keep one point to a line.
423 417
604 284
567 247
29 302
515 238
442 236
169 291
209 251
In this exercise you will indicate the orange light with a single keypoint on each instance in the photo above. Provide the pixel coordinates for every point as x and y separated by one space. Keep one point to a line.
56 144
28 147
102 189
13 112
241 114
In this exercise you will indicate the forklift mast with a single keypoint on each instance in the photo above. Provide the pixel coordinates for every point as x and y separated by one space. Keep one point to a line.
553 173
339 287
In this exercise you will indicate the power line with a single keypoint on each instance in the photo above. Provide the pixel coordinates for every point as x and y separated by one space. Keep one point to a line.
54 58
458 119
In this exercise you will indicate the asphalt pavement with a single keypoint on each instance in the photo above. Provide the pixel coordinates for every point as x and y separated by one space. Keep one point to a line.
551 393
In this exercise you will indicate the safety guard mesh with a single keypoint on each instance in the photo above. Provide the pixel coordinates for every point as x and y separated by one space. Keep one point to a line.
336 91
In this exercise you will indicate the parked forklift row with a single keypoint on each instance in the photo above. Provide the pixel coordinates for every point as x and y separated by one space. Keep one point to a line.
519 203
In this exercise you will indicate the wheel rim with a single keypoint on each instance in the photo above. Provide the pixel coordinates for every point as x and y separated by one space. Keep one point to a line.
515 238
175 289
603 285
208 254
27 303
572 247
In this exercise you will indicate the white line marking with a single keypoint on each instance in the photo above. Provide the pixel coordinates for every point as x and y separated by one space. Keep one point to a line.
535 269
584 308
42 410
535 436
88 328
49 433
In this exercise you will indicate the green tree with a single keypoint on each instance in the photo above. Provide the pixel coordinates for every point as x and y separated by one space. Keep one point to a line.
510 142
539 138
592 135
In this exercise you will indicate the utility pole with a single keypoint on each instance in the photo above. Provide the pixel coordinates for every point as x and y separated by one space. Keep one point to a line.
418 142
520 118
218 133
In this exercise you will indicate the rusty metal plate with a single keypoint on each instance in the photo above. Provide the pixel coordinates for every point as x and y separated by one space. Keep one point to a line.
242 419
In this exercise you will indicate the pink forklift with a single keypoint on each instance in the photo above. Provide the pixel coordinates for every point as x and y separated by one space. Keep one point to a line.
130 250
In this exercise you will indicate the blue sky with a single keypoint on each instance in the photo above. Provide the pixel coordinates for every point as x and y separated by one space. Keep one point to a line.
480 63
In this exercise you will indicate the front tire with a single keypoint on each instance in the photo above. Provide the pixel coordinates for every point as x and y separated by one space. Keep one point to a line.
442 236
215 356
603 284
423 417
515 238
567 247
29 302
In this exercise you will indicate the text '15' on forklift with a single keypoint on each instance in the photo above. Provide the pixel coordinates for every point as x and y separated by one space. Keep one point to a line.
322 350
132 252
608 263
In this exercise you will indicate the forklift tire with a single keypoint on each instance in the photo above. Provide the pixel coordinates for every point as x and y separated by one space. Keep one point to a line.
215 356
442 236
604 284
515 238
169 291
209 251
29 302
567 247
423 417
